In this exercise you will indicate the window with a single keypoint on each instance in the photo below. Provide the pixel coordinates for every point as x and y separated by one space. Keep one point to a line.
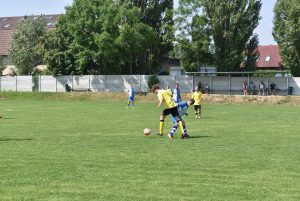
268 58
6 26
51 24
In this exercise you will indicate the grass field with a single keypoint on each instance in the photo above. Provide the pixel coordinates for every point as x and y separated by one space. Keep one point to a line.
95 150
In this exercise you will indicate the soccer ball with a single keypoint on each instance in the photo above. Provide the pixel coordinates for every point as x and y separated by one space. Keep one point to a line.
147 131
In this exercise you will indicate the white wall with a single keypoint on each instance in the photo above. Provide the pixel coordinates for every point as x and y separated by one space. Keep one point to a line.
24 83
120 83
8 83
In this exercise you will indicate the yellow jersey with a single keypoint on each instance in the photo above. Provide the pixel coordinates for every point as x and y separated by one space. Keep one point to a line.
166 96
197 96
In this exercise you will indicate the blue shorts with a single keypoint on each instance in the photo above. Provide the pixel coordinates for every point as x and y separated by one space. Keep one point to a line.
131 98
174 119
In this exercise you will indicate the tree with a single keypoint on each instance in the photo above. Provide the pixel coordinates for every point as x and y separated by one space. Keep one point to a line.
287 33
99 37
25 51
251 53
194 36
135 40
229 25
157 14
1 64
58 53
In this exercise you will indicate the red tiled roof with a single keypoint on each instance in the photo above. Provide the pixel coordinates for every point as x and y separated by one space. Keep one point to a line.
5 41
269 57
9 24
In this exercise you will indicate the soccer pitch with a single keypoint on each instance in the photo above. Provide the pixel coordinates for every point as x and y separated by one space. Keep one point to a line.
96 150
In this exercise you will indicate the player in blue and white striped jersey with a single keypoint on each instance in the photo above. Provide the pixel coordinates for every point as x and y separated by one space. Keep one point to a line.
131 96
182 110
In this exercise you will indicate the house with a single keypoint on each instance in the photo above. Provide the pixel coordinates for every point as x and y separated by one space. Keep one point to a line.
268 58
8 26
168 64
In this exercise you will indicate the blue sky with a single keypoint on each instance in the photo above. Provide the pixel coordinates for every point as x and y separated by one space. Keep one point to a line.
27 7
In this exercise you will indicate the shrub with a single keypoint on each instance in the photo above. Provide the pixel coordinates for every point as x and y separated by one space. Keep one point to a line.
153 79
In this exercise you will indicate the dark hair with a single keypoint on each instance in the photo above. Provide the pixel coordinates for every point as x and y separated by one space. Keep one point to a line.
192 101
155 87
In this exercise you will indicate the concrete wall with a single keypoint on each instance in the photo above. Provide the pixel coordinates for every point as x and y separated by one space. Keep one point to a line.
120 83
16 83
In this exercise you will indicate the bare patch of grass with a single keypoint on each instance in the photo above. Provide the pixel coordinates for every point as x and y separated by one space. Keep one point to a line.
150 97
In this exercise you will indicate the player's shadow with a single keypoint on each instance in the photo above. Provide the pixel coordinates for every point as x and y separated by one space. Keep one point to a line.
199 136
6 118
15 139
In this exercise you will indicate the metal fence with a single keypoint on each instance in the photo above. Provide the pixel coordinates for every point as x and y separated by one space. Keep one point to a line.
225 84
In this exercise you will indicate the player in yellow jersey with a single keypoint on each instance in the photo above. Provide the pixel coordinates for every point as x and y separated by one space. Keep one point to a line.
197 96
164 96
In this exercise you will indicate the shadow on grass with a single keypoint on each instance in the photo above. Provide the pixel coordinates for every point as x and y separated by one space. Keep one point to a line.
203 136
15 139
191 137
6 118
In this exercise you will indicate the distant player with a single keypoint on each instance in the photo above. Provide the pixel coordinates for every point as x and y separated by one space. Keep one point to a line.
164 96
176 93
131 96
182 110
197 96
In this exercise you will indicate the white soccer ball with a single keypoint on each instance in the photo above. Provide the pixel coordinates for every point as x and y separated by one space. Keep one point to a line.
147 131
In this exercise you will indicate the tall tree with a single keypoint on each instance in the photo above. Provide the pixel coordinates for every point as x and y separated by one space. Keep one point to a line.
59 54
194 38
26 52
135 41
101 37
157 14
231 24
287 33
251 53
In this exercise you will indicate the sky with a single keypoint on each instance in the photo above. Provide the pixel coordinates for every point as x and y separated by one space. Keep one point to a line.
27 7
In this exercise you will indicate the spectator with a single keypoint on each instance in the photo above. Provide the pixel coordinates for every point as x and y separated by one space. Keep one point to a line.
206 88
272 87
199 86
245 88
176 93
261 89
251 86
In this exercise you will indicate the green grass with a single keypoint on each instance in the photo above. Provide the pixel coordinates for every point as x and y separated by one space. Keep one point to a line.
95 150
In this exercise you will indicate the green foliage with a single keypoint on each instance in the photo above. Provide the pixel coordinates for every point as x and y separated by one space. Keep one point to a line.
216 32
251 54
158 15
194 38
100 37
1 65
287 33
59 53
152 80
135 40
26 52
